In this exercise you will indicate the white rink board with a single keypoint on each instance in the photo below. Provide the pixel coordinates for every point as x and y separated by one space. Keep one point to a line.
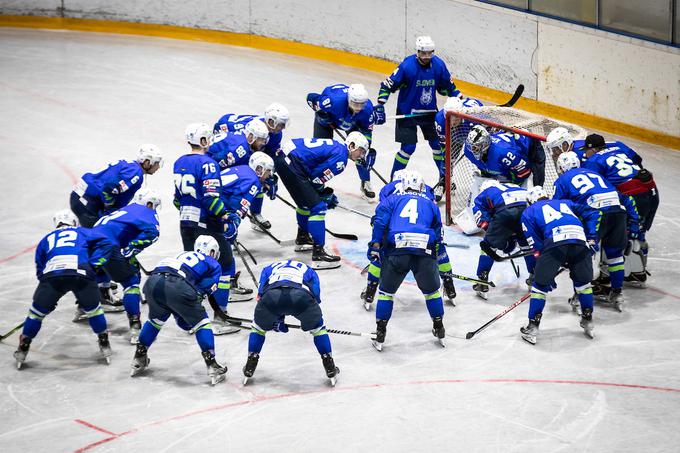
73 101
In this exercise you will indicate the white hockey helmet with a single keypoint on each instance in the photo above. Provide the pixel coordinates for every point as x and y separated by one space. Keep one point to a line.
424 44
207 245
256 133
197 131
412 180
151 153
567 161
260 163
64 218
557 138
276 116
489 183
399 175
536 193
357 139
453 104
145 195
357 94
479 140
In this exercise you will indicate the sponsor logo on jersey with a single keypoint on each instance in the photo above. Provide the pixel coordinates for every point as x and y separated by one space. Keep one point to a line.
123 186
328 174
425 83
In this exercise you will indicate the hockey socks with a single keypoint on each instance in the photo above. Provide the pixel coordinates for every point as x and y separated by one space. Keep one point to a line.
302 216
321 340
383 309
585 295
150 331
401 158
96 319
537 303
373 272
221 294
131 300
256 204
434 303
256 340
438 153
484 264
205 338
615 266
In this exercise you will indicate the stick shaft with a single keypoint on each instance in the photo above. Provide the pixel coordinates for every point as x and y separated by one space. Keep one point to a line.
2 337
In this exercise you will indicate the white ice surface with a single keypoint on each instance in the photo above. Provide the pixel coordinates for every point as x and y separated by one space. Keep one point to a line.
70 102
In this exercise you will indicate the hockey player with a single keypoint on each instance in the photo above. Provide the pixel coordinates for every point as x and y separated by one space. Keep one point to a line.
559 141
348 109
229 150
308 165
132 229
176 287
406 232
459 128
418 79
289 288
498 210
444 264
619 215
107 190
66 261
276 117
622 167
561 233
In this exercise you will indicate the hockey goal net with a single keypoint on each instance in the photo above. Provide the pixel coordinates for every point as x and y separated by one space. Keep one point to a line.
461 171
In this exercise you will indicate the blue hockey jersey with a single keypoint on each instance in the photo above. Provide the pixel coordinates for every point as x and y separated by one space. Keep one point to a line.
418 85
197 189
230 150
71 251
550 223
395 186
200 271
507 158
318 159
112 187
460 132
496 198
132 226
410 222
334 112
240 185
617 163
290 273
233 123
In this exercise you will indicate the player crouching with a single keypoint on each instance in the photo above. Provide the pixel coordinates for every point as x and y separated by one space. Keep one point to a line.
289 288
406 232
559 239
176 287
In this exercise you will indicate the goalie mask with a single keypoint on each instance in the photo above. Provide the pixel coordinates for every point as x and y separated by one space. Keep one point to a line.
478 141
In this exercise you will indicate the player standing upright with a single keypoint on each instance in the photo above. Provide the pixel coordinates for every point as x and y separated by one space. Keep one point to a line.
348 109
406 233
418 79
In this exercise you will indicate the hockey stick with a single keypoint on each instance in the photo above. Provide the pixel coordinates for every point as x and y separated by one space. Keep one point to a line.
2 337
515 97
474 280
362 214
252 258
504 312
240 321
515 267
411 115
245 263
264 230
349 237
456 246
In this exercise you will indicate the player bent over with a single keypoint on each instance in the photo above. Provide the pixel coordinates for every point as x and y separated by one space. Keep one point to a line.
66 261
176 287
444 264
498 210
307 166
619 215
562 234
289 288
406 232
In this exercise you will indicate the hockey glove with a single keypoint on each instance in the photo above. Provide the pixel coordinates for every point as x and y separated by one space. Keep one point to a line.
280 325
312 101
129 252
369 160
272 185
379 116
231 223
373 253
330 200
490 251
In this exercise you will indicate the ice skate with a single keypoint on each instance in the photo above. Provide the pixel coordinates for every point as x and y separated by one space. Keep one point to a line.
367 192
323 260
239 293
482 290
438 330
220 325
601 293
249 368
381 332
449 289
105 346
587 322
575 304
636 279
616 299
140 361
216 372
22 351
135 328
530 332
331 370
303 241
110 303
259 223
368 295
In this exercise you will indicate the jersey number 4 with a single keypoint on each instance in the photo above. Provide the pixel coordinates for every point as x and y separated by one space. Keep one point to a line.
410 211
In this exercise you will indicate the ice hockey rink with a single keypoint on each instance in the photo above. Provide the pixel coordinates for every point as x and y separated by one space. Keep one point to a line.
71 102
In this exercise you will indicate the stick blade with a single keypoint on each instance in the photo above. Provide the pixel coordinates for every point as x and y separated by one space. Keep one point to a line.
515 97
469 335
